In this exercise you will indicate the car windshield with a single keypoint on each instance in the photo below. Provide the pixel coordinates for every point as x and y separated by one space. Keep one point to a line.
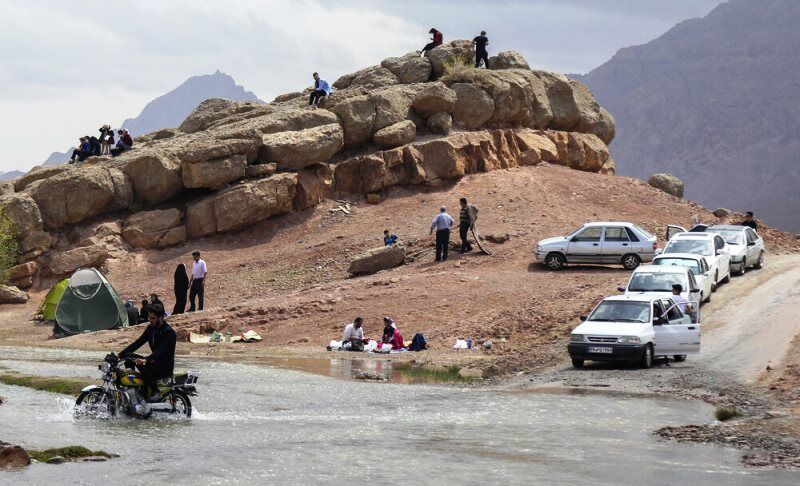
731 237
574 232
621 311
698 247
656 282
689 263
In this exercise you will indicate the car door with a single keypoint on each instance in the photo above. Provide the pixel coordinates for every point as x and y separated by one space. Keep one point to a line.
616 242
708 279
683 328
585 247
672 230
723 255
666 336
694 289
753 246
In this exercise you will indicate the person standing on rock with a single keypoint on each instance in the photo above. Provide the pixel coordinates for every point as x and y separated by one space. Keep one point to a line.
198 282
466 218
181 287
749 221
321 90
442 224
480 42
436 40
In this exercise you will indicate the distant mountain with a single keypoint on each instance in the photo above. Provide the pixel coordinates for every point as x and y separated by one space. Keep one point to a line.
7 176
58 158
714 101
172 108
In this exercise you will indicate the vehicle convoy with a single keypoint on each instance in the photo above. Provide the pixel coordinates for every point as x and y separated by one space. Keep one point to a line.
620 243
636 328
123 392
745 246
710 246
696 264
657 281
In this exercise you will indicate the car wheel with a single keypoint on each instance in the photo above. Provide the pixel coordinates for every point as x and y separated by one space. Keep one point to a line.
631 261
742 267
679 358
708 298
760 263
647 357
727 278
577 363
714 283
555 261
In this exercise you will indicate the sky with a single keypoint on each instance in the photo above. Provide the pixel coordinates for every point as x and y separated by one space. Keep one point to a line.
69 67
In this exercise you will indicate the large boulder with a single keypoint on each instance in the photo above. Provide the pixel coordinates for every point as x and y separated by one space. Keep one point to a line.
66 262
395 135
295 150
667 183
434 98
252 127
155 176
24 214
12 295
512 94
474 106
154 229
410 68
73 196
369 78
605 128
206 113
6 187
588 108
201 148
377 259
200 217
449 56
508 60
358 119
213 174
314 185
393 105
13 457
38 173
440 123
586 152
22 271
535 147
561 98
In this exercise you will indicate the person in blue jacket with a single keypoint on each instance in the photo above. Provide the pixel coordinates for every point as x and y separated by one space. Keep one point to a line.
389 239
161 361
321 90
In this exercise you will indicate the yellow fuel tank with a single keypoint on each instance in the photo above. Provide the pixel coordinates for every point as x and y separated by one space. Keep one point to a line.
131 380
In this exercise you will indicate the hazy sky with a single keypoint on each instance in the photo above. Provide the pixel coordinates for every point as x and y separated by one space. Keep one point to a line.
69 67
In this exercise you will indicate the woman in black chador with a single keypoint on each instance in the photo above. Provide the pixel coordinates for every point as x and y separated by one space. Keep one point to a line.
181 288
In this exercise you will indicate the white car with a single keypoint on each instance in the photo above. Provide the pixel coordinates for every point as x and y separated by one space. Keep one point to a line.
697 264
657 281
746 247
636 328
712 247
600 242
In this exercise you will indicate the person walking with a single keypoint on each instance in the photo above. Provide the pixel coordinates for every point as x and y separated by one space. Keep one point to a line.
181 287
197 282
321 90
480 42
442 224
466 217
436 40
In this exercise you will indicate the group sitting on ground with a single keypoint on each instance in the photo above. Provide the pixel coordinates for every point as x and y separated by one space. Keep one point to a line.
353 339
90 146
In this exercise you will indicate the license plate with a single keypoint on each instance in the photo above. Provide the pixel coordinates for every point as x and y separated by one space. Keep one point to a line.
597 350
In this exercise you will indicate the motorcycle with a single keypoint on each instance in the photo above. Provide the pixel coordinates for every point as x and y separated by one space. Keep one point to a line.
123 391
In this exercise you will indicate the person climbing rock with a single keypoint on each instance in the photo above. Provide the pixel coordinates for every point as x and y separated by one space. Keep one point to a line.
442 224
321 90
436 40
480 42
466 218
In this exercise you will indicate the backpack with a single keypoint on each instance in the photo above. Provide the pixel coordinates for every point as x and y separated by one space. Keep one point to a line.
418 343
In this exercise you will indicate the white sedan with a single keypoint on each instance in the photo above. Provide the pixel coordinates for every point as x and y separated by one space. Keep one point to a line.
711 246
746 247
698 266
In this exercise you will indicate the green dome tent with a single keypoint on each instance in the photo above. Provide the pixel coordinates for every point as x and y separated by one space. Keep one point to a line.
48 308
89 304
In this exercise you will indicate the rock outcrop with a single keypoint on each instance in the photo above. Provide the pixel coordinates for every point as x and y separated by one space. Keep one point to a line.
12 295
667 183
13 457
377 259
409 121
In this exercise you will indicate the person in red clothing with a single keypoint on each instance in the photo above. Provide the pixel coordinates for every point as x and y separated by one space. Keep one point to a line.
437 40
391 335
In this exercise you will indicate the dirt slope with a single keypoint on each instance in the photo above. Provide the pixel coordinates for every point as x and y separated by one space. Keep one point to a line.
286 278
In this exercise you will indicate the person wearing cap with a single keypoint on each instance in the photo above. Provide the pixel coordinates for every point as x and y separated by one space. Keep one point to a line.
480 42
321 90
197 282
442 224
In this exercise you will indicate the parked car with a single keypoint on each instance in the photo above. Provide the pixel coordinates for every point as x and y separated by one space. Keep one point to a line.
746 247
603 242
657 281
698 266
636 328
711 246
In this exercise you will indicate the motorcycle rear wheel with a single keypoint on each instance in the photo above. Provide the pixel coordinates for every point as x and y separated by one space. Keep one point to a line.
180 402
95 401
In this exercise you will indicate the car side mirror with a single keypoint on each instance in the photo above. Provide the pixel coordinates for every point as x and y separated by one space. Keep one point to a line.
661 321
620 289
751 243
583 318
720 251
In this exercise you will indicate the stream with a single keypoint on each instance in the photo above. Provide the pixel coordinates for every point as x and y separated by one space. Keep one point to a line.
284 424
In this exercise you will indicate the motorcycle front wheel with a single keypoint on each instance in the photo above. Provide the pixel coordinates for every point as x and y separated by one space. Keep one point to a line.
95 402
180 403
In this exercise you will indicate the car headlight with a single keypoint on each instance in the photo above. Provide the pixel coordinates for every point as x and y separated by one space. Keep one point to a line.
629 340
576 338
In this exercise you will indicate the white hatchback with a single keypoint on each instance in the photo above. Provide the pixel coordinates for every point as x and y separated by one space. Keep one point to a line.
712 247
657 281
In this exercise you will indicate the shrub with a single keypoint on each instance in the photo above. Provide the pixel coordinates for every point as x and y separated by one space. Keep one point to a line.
9 247
724 413
459 70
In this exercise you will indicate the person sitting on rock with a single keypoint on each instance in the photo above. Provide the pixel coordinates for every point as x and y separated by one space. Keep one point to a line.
321 90
353 337
84 150
436 40
480 42
389 239
125 142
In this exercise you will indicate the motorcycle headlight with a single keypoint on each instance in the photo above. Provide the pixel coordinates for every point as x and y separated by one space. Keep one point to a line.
105 367
629 340
576 338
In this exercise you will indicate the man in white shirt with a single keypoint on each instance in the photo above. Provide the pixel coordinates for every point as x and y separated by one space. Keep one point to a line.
680 300
442 224
197 282
354 335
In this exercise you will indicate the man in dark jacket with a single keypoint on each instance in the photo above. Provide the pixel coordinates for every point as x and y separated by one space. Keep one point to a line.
466 218
132 311
161 361
481 54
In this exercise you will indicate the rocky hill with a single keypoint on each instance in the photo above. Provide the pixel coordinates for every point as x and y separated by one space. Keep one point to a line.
409 121
714 101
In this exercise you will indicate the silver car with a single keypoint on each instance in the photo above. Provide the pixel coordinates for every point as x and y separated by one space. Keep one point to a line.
602 242
745 246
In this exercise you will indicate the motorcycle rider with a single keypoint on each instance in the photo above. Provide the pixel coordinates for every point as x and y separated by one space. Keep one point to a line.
161 362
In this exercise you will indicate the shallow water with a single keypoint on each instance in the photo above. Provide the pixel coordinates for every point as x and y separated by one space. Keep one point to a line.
259 424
